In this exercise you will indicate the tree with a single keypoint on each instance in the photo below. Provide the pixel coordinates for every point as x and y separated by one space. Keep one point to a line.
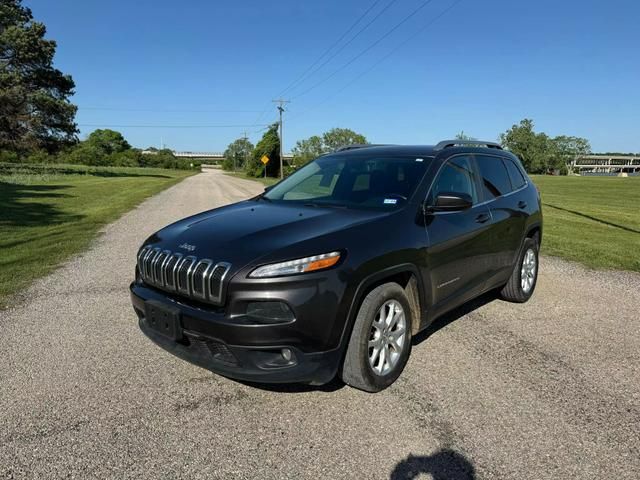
569 149
35 112
463 136
535 150
540 153
341 137
307 150
312 147
107 141
268 145
237 154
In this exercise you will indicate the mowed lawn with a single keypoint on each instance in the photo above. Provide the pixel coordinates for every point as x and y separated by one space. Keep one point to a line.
592 220
48 214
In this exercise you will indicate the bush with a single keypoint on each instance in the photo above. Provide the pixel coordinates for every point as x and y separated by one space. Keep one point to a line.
8 157
128 158
40 156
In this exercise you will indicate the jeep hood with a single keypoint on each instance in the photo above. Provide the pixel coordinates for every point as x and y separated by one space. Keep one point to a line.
243 232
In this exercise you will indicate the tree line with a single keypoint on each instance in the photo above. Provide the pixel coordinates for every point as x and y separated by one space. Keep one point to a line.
241 155
541 153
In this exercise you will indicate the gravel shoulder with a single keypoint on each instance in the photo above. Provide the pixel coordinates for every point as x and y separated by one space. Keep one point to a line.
549 389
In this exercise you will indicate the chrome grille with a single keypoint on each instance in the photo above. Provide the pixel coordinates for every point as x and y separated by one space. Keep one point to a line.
199 279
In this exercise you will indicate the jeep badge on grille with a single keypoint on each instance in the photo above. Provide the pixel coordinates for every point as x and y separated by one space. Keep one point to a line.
187 247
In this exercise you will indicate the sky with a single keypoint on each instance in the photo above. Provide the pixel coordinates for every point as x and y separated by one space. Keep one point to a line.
196 75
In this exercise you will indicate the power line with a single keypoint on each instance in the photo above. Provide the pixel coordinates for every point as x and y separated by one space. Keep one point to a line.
394 50
266 107
116 109
389 32
167 126
353 25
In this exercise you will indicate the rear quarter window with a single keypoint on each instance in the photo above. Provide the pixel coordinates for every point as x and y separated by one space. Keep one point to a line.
515 174
494 176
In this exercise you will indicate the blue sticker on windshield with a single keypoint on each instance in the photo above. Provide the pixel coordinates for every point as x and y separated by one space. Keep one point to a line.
390 201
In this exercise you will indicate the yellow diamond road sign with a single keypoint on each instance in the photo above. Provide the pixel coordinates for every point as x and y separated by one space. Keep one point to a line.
264 159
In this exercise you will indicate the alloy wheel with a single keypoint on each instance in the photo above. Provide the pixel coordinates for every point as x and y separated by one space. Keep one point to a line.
387 338
528 270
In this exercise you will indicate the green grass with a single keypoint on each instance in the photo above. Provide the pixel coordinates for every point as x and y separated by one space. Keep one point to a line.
265 181
50 212
592 220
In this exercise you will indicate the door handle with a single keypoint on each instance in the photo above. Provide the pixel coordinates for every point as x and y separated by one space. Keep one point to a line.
522 204
483 217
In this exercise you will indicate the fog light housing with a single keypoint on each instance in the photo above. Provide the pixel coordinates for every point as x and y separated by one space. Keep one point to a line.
286 354
268 313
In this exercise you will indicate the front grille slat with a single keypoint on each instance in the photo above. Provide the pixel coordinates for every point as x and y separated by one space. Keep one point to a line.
200 279
169 271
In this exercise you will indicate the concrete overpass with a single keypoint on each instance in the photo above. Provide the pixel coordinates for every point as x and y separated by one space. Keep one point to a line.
215 156
607 164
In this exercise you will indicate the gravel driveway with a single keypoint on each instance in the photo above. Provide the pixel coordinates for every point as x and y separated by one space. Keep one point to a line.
549 389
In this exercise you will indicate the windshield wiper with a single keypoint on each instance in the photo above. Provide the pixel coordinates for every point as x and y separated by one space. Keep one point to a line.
325 204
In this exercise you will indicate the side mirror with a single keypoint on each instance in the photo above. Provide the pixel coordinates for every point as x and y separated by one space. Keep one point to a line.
451 202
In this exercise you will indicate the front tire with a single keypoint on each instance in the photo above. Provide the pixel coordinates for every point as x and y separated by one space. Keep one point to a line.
380 342
524 277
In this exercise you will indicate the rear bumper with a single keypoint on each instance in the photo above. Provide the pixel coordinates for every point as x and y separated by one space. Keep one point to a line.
219 348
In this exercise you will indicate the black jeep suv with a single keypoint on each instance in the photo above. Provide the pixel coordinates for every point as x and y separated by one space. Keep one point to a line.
335 268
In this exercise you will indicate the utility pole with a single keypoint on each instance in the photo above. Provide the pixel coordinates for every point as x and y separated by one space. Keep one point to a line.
281 104
245 148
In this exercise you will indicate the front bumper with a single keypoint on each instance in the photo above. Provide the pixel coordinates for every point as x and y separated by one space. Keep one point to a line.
210 341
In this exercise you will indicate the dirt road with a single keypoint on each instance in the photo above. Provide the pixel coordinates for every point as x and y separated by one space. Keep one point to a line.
550 389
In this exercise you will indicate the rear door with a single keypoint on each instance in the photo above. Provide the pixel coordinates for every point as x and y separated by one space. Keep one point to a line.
458 241
508 212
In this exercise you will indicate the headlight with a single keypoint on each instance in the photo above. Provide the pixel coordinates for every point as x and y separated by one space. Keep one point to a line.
301 265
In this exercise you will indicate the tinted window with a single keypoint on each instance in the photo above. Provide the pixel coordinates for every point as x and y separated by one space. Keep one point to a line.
353 181
515 174
456 176
495 179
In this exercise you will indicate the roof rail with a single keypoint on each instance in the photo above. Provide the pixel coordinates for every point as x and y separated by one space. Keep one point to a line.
480 143
359 145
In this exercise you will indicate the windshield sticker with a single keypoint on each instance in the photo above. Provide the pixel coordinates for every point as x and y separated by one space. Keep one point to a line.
390 201
419 160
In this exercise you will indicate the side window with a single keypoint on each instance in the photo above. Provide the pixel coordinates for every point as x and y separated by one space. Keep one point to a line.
495 178
456 176
517 179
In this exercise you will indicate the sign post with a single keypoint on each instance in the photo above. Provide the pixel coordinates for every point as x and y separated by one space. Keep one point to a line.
264 161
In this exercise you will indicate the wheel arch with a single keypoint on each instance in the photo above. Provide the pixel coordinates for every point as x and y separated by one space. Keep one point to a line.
408 276
535 231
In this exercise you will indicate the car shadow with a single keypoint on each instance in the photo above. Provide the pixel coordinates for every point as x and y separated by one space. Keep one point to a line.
445 464
455 314
333 386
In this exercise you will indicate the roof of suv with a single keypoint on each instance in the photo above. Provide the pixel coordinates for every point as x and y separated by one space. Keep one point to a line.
454 146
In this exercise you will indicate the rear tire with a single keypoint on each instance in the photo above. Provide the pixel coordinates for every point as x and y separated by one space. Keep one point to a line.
380 342
524 277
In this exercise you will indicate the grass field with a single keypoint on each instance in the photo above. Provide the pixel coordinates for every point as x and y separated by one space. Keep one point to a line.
48 213
592 220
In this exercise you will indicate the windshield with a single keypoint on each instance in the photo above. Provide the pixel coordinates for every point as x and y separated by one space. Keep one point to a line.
353 181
